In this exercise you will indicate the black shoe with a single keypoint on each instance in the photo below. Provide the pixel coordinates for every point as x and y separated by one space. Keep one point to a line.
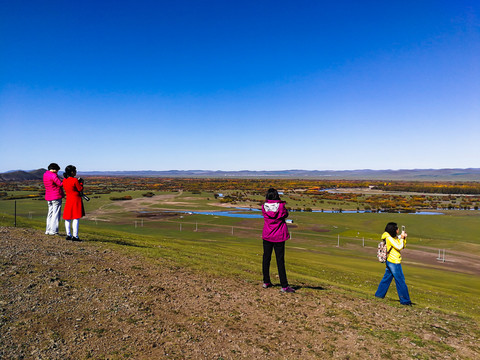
76 239
68 237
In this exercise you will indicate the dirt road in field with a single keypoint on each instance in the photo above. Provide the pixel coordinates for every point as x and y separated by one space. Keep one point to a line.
68 300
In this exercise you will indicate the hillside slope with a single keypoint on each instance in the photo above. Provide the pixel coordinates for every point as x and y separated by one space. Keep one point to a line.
66 300
21 175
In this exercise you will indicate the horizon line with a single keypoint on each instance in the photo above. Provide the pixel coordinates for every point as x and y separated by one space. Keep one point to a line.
281 170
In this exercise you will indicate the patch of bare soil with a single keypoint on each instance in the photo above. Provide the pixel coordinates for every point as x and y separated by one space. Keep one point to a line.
133 205
455 261
144 203
69 300
318 228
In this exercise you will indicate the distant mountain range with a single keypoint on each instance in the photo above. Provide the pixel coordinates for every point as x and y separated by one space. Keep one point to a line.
472 174
19 175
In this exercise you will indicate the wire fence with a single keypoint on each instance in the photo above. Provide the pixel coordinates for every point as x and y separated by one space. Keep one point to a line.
460 261
338 240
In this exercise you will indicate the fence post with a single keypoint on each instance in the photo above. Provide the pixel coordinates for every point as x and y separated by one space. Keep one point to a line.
363 242
440 258
338 241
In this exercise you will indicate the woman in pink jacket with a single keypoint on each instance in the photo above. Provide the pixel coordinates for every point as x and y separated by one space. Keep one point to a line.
53 195
275 233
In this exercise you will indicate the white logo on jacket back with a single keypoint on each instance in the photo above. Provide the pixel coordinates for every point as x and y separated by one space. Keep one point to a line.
271 207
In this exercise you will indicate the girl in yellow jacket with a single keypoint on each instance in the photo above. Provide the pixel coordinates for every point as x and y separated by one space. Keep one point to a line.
393 265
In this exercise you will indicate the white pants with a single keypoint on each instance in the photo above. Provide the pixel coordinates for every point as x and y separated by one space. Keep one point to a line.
75 224
53 216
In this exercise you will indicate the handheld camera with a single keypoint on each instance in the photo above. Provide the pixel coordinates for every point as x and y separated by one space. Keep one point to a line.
85 197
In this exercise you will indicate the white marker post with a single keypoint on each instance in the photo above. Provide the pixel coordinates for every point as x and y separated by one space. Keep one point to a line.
440 258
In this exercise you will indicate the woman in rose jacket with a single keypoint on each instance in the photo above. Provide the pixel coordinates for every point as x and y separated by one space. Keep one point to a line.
53 195
275 233
73 210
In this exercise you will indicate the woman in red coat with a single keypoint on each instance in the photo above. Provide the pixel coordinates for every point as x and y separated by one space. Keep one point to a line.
73 210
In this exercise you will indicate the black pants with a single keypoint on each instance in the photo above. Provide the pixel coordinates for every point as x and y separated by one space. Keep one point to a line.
280 256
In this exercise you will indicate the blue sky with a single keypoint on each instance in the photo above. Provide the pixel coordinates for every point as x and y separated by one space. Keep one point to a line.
233 85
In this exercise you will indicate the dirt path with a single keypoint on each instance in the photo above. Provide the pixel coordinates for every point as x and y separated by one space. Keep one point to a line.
145 203
133 205
66 300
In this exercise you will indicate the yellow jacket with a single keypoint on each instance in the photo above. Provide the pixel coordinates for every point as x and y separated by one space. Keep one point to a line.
394 246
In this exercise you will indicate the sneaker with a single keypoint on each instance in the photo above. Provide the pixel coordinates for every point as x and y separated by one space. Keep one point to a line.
267 285
287 289
76 239
68 237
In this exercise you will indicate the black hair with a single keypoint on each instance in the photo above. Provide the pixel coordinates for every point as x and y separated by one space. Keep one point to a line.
272 194
53 166
70 171
391 228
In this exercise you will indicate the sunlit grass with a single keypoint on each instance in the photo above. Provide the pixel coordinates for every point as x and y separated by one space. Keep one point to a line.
206 244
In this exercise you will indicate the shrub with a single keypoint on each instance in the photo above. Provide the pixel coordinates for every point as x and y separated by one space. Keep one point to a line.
121 198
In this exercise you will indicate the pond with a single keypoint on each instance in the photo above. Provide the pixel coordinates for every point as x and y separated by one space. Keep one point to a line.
240 213
228 214
379 212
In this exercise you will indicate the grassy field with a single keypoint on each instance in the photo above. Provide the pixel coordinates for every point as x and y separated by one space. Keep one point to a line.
231 247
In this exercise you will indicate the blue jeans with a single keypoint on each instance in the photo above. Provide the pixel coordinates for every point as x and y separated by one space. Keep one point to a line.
394 271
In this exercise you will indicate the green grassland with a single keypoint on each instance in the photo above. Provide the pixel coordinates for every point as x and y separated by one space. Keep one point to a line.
231 247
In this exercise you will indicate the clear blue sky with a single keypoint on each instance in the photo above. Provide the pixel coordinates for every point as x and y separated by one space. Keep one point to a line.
232 85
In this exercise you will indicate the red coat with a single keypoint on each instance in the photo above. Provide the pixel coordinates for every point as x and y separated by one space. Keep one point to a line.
73 205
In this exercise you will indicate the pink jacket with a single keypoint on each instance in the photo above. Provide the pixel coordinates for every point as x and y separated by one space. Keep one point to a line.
53 186
275 229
